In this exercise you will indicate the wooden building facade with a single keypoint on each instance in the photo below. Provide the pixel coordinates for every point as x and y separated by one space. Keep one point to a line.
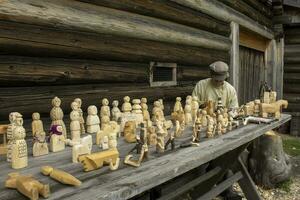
94 49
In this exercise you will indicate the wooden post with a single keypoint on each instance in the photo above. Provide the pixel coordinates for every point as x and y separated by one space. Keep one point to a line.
280 65
270 64
235 56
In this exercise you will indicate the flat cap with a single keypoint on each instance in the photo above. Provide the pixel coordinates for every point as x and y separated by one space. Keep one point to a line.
219 70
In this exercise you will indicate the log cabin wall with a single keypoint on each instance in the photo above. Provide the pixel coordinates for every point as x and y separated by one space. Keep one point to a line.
102 48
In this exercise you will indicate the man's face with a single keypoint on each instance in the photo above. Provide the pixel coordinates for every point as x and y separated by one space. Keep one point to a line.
217 83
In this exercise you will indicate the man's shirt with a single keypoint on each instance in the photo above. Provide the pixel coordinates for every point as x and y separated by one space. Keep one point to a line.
205 91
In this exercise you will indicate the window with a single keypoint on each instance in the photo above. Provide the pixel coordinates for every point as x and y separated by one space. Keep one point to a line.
163 74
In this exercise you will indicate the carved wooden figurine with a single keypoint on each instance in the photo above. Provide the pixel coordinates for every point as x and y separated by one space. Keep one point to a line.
92 121
137 110
210 107
225 120
113 127
178 106
57 139
104 143
79 103
161 132
75 127
219 122
126 107
19 155
273 96
273 109
197 128
146 115
116 113
40 145
97 160
12 119
157 113
60 176
188 111
141 148
112 140
195 107
180 117
130 131
162 107
57 115
3 146
27 185
105 113
256 107
204 117
151 136
83 148
37 124
211 127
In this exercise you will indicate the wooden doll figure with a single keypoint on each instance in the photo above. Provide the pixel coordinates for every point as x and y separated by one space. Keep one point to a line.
12 119
27 185
19 158
112 140
204 117
116 113
92 120
37 124
75 127
40 146
256 107
137 110
57 115
157 113
162 105
188 111
126 106
210 127
57 139
79 102
178 106
160 146
219 122
146 115
195 107
197 129
105 110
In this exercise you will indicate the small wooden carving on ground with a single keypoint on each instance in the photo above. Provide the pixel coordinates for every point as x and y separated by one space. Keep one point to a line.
60 176
27 185
57 115
79 103
97 160
19 153
93 120
57 139
83 148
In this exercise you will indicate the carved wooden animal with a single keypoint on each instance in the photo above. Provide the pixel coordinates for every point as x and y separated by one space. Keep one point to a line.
97 160
27 185
60 176
112 127
273 109
85 147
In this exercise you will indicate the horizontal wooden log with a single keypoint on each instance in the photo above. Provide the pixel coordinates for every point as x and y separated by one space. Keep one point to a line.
265 10
16 71
292 31
102 20
169 11
291 88
290 50
292 98
291 77
291 59
253 13
223 12
28 40
27 100
292 39
287 19
292 68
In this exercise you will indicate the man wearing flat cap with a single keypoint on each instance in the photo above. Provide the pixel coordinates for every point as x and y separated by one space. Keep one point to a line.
216 86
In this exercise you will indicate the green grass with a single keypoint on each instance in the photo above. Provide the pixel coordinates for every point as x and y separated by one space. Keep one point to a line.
285 185
291 146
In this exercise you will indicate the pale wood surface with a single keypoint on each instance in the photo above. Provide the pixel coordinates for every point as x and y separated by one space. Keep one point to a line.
128 181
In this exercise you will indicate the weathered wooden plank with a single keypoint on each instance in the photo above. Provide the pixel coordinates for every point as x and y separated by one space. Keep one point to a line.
97 19
127 182
291 77
223 12
27 100
169 11
252 40
247 10
28 40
